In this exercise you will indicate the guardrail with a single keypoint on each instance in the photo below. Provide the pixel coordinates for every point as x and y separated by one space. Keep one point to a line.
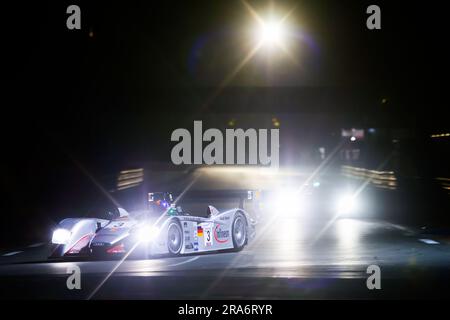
383 179
379 179
445 183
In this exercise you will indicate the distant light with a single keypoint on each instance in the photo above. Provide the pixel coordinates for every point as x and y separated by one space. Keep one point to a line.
322 153
357 133
371 130
353 138
440 135
316 184
384 101
164 204
275 122
271 33
231 123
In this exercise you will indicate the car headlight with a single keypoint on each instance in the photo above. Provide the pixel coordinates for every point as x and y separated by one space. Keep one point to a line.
289 201
148 233
346 203
61 236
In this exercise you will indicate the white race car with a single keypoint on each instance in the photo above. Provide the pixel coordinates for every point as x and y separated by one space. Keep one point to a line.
164 230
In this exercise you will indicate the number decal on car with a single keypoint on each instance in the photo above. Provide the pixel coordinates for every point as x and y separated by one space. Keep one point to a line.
208 236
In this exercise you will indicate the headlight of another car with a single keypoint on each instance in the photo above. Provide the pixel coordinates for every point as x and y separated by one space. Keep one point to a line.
148 233
347 203
289 201
61 236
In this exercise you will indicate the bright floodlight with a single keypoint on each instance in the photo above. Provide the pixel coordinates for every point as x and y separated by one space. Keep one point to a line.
271 33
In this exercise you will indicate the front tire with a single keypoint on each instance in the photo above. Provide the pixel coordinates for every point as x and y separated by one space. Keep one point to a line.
174 238
239 231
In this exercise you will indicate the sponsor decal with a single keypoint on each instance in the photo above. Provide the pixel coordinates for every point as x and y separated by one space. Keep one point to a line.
185 224
187 238
98 244
189 246
195 246
220 235
208 236
224 218
199 231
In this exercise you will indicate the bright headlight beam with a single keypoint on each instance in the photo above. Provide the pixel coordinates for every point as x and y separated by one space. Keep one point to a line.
288 201
346 203
61 236
283 201
100 285
148 233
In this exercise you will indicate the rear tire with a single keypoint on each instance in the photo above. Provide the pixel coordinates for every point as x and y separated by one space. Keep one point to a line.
239 231
174 238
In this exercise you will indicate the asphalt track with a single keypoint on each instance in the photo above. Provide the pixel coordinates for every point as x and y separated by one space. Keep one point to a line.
305 255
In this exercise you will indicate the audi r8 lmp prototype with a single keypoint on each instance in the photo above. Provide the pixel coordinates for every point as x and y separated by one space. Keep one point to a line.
165 229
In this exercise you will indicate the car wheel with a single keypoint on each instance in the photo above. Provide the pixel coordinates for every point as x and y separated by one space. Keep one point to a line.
239 231
174 238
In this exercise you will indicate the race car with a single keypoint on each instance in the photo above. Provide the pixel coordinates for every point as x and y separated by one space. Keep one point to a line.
163 229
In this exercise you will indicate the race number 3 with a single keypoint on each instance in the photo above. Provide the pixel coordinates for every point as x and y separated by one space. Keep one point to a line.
208 236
